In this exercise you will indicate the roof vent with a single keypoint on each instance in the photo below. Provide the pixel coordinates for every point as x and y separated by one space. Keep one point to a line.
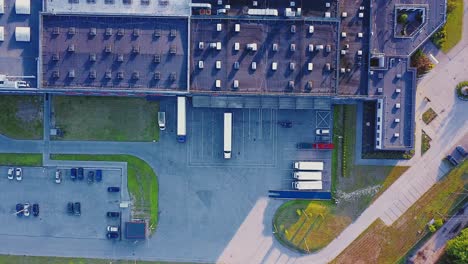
293 29
92 74
92 32
218 65
120 75
56 74
71 48
275 47
397 120
108 74
120 58
136 49
136 32
157 75
108 48
292 66
237 27
252 46
172 76
380 90
55 57
136 75
71 74
274 66
108 32
201 64
219 27
157 33
236 65
235 85
173 33
218 84
201 45
120 32
292 47
92 57
173 49
397 106
71 31
396 135
254 65
56 31
397 90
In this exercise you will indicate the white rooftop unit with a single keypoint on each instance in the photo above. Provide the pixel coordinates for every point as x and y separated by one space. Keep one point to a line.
237 28
311 47
343 52
311 29
236 84
292 47
213 45
293 29
327 14
292 66
236 46
201 64
274 66
262 12
254 65
397 120
342 70
397 105
396 135
252 46
327 4
288 12
343 34
328 66
310 66
359 52
361 15
360 35
218 65
236 65
23 7
361 8
218 45
2 6
275 46
218 83
23 34
201 45
318 47
398 90
2 34
219 27
344 14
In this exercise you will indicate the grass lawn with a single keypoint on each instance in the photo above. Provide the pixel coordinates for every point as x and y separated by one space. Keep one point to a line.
8 259
337 130
106 118
382 244
142 183
21 116
429 115
425 142
20 159
349 139
453 27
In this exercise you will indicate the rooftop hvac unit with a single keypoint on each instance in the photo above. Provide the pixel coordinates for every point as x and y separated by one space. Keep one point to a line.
218 84
173 33
288 12
343 52
237 27
327 14
292 4
396 135
380 90
71 74
252 46
292 66
318 47
236 65
275 47
236 84
311 47
292 47
310 66
219 27
343 34
200 64
136 32
157 75
291 85
344 14
55 57
397 120
218 45
328 66
398 75
397 90
157 58
56 31
71 31
311 29
108 74
359 52
213 45
56 74
237 46
342 70
108 49
172 76
92 74
136 75
327 4
293 29
71 48
120 58
108 32
136 49
254 3
92 57
328 48
201 45
397 105
254 65
120 32
120 75
220 2
218 65
274 66
361 15
360 35
157 33
173 49
92 32
361 8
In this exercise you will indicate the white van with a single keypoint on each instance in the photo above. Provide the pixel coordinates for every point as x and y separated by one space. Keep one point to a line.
162 120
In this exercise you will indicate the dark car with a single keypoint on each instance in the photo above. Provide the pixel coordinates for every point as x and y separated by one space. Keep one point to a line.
113 189
112 235
113 214
90 176
285 124
73 174
35 209
98 175
70 208
19 209
452 160
462 151
77 208
304 145
80 174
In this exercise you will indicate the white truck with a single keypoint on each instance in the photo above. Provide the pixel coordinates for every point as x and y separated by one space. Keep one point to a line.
308 175
307 185
308 165
181 119
227 135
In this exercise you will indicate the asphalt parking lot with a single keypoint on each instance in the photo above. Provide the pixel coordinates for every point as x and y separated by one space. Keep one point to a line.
38 186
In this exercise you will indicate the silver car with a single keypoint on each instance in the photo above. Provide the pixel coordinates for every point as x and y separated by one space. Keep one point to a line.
58 176
19 174
10 173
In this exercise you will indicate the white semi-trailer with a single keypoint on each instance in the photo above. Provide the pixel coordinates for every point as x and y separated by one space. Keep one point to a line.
307 185
308 175
181 119
308 165
227 135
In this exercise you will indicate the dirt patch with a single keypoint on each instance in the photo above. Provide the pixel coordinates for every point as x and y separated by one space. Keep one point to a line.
29 110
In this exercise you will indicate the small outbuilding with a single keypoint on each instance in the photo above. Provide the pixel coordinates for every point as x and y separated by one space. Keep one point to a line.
23 34
135 230
23 7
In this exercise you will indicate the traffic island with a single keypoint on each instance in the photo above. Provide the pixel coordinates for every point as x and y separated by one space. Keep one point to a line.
462 91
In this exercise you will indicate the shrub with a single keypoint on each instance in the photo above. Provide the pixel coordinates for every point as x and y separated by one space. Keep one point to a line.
456 248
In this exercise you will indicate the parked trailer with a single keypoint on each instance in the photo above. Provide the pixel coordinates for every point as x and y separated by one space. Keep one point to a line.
227 135
181 119
308 165
307 185
308 175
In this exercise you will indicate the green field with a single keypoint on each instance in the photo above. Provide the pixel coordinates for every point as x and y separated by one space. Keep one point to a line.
21 116
454 26
382 244
142 183
106 118
8 259
16 159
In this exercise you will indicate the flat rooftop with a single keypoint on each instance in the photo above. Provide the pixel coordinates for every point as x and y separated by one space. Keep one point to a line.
396 86
119 7
383 20
283 43
114 52
19 58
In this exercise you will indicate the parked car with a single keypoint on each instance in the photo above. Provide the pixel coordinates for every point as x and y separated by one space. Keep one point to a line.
113 214
19 209
26 209
80 174
90 176
322 131
462 151
112 235
35 209
452 160
98 175
73 174
10 173
112 228
19 174
77 208
58 176
70 208
304 145
113 189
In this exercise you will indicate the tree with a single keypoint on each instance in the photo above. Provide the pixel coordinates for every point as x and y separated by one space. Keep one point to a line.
403 18
421 62
456 248
451 5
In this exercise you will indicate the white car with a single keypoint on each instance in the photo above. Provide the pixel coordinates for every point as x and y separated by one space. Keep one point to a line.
58 176
112 229
26 209
19 174
10 173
